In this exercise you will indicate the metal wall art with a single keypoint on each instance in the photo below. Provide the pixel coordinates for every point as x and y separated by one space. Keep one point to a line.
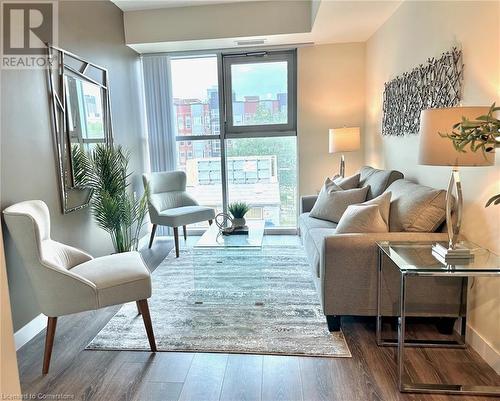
81 118
438 83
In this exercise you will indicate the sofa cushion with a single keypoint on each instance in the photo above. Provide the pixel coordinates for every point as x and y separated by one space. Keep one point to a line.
306 225
331 204
415 207
377 180
314 247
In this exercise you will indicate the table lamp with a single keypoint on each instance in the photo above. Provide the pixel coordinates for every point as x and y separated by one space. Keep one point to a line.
438 151
343 140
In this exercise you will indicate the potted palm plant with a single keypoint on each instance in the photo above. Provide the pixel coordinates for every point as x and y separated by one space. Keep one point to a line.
114 208
238 210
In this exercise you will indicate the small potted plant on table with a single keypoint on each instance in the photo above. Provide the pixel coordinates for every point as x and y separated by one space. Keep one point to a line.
238 211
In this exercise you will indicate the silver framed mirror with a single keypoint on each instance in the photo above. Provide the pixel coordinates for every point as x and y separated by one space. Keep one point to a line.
81 118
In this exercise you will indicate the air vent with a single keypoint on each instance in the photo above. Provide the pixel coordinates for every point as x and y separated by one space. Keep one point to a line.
250 42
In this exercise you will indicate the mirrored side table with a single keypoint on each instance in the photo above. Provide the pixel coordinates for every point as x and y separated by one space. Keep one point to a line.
415 259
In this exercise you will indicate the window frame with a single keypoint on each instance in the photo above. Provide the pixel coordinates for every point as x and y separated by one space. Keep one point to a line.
222 135
262 130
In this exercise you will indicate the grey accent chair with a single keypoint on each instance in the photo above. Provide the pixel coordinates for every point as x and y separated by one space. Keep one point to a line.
67 280
170 205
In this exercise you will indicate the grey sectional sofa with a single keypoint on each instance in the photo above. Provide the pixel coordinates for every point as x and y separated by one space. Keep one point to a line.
344 266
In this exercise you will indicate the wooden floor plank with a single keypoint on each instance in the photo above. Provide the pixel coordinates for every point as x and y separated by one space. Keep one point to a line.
119 384
159 391
317 383
170 367
281 379
243 378
205 377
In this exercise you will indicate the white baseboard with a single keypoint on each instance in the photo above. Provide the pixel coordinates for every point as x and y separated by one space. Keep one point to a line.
483 348
29 331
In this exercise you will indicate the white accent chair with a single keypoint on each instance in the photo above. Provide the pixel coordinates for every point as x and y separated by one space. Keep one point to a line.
170 205
67 280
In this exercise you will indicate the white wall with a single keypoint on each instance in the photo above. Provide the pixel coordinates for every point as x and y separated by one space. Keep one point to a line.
331 94
417 31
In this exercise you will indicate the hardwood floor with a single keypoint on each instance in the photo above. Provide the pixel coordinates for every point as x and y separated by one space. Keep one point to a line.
141 376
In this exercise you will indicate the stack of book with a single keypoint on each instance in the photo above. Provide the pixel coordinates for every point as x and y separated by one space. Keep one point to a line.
458 256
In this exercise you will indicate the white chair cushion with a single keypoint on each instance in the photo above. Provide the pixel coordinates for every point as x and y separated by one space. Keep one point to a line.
181 216
119 278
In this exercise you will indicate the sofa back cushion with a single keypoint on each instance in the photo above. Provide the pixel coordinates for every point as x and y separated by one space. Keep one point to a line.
415 207
377 180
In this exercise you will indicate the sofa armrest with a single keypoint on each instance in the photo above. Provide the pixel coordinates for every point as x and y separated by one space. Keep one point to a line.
348 271
307 203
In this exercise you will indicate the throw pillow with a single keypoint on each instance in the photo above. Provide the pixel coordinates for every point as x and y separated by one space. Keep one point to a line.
350 182
333 201
384 203
329 185
368 217
362 219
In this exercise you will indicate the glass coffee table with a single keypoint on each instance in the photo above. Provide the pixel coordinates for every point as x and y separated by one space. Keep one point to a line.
212 238
415 259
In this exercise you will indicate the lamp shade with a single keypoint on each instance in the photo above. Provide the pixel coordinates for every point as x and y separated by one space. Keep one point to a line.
343 139
438 151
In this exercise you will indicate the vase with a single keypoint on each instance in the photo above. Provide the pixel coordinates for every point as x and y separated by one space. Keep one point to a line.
239 222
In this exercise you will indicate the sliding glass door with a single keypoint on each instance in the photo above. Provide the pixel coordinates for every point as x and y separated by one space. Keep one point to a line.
260 132
235 124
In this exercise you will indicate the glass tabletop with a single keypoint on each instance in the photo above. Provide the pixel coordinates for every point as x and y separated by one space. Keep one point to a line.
417 257
212 238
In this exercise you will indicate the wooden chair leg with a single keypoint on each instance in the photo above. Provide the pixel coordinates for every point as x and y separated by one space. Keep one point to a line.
49 343
143 306
176 240
138 308
210 222
184 229
153 232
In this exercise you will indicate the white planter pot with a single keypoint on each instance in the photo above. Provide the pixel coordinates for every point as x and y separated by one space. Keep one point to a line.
239 222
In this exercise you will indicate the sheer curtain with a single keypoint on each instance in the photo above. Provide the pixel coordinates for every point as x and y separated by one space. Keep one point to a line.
160 132
161 135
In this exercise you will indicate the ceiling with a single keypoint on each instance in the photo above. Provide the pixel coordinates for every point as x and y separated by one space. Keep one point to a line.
134 5
350 21
335 21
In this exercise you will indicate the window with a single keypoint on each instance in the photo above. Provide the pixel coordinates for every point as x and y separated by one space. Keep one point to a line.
263 173
252 157
195 93
195 99
260 94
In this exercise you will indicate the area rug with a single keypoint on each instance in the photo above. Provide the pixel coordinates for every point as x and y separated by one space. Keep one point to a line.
231 301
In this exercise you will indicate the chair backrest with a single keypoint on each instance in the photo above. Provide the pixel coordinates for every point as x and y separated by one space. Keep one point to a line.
47 262
29 225
165 181
167 190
